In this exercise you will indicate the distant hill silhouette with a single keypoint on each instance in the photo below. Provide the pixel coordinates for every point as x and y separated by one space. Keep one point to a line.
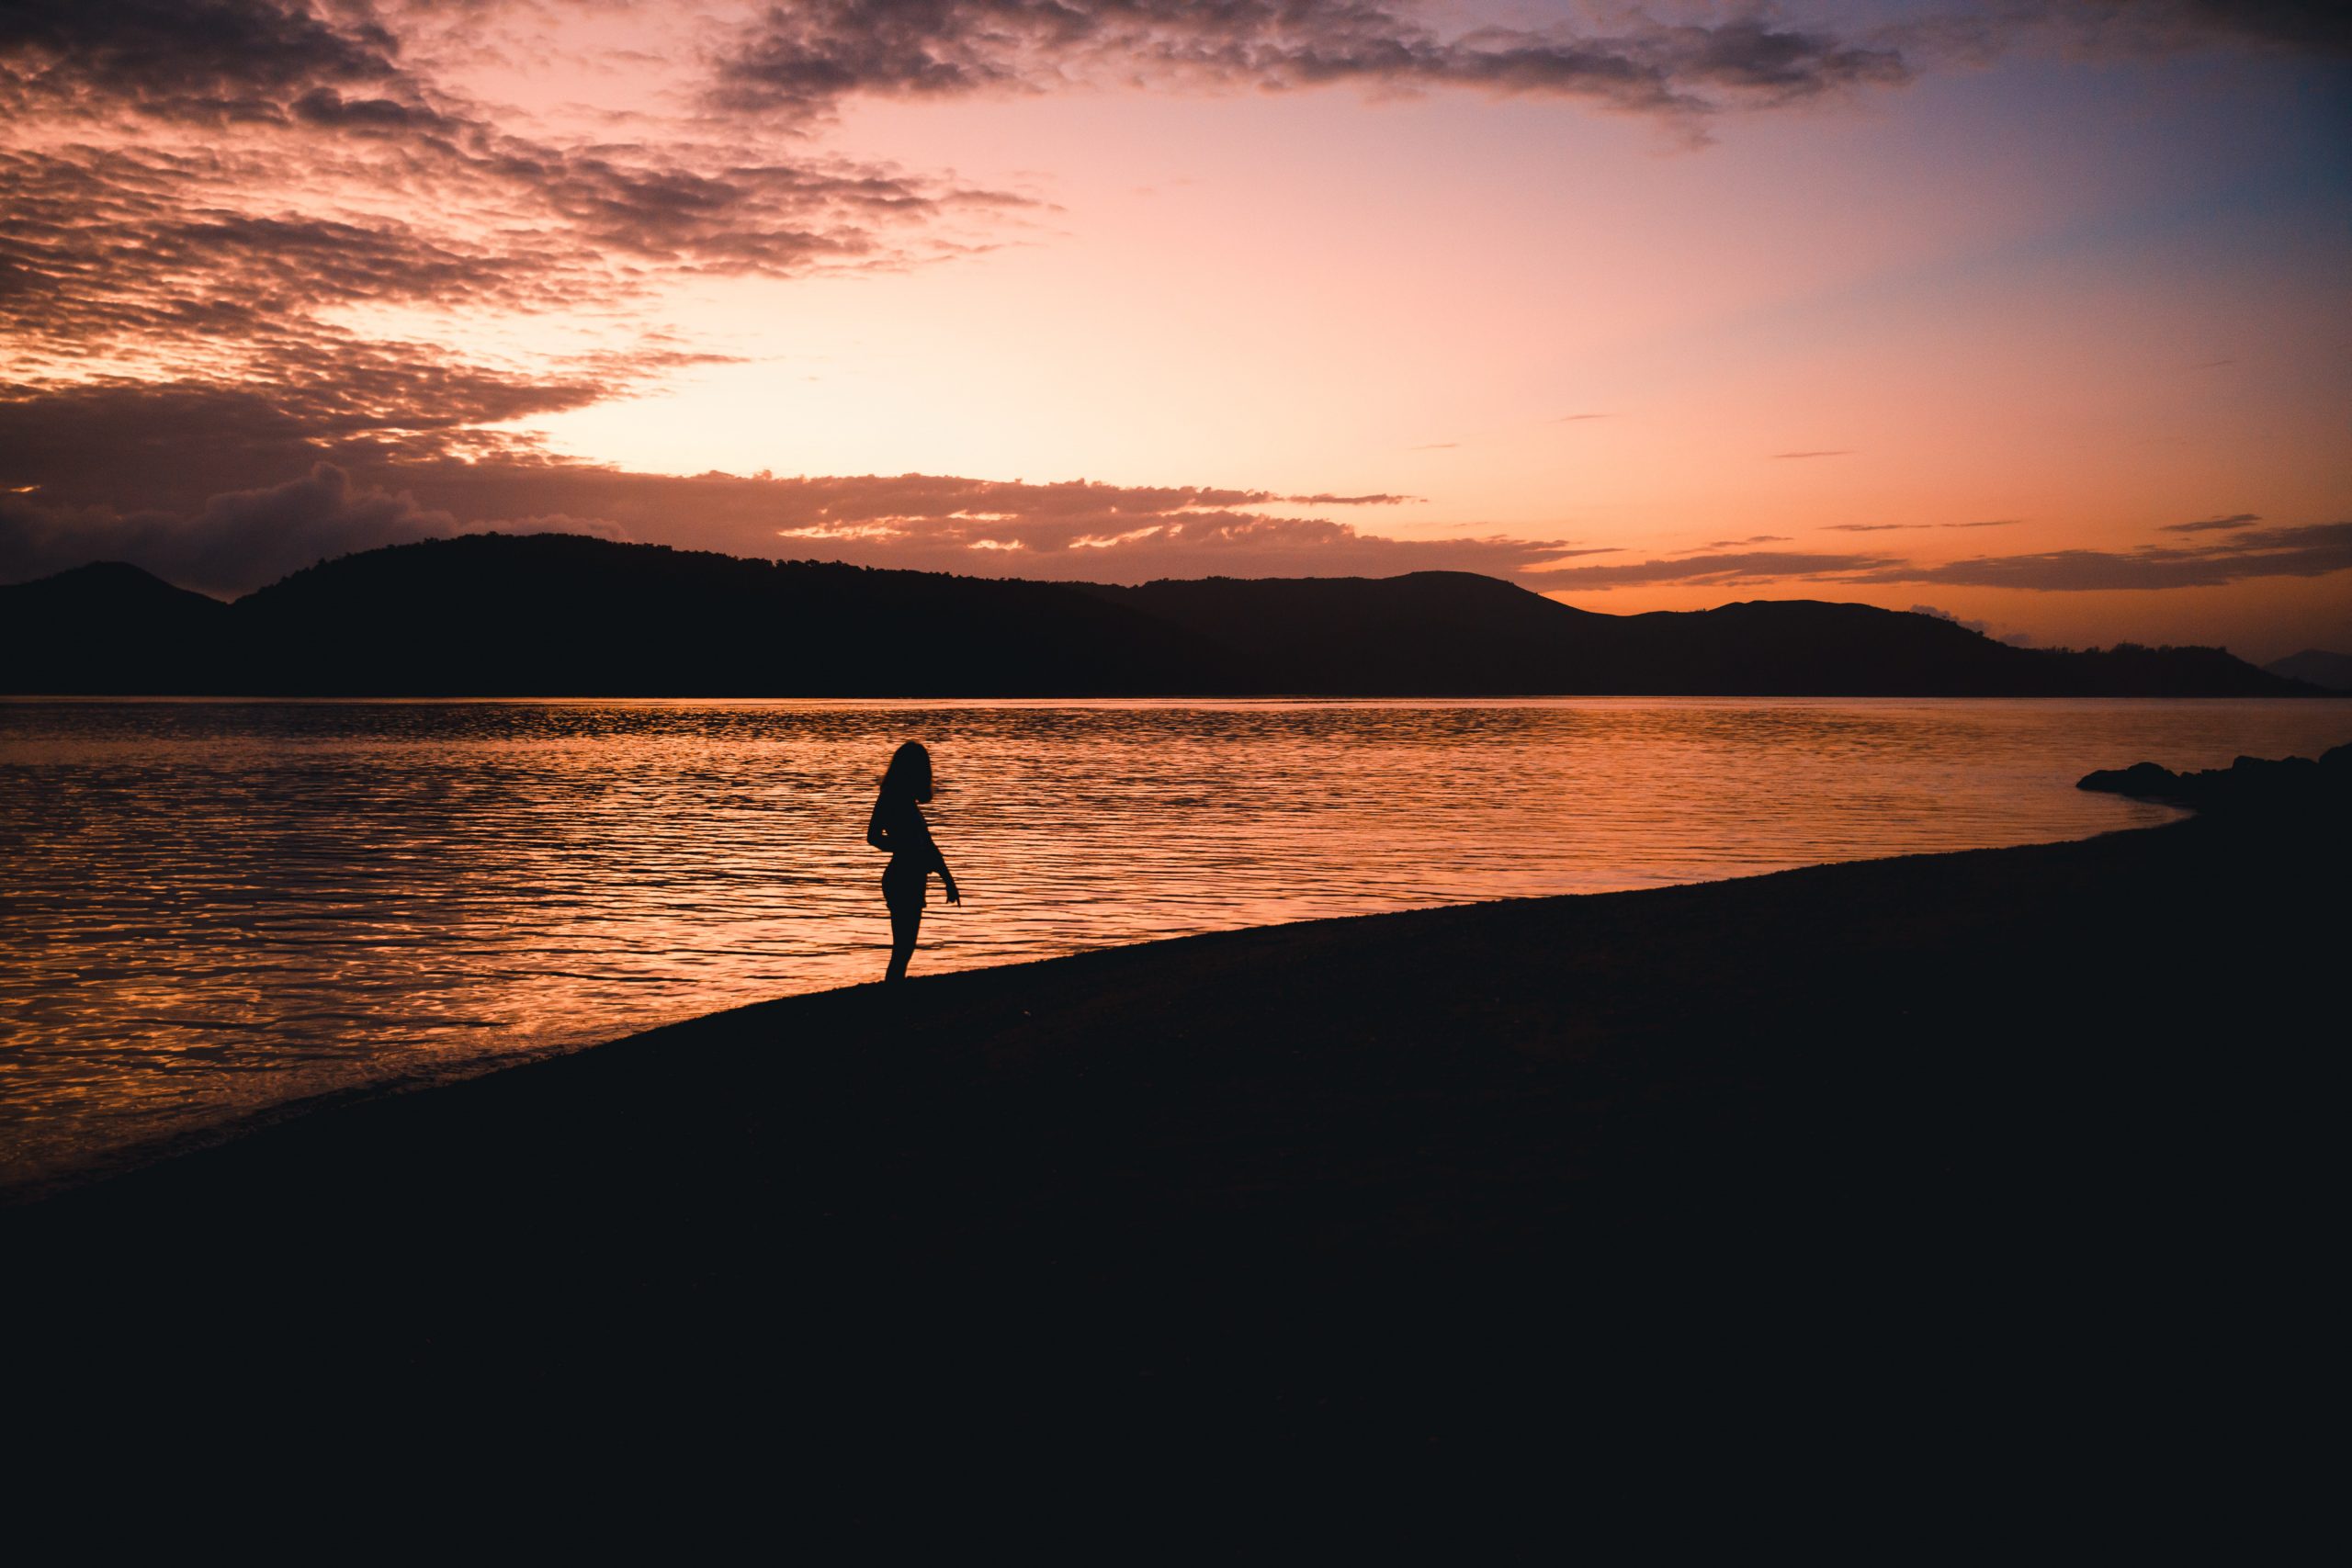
2321 667
112 627
563 616
1437 632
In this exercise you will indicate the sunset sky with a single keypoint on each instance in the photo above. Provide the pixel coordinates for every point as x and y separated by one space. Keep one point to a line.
2038 313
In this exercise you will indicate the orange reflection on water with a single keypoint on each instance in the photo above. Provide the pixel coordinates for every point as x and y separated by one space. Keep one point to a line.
213 908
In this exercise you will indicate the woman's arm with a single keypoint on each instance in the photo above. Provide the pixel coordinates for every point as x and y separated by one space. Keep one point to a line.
877 834
938 860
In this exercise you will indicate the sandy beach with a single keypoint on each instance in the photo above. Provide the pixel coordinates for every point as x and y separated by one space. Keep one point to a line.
1926 1139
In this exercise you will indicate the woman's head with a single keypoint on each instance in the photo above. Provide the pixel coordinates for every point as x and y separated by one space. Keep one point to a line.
909 772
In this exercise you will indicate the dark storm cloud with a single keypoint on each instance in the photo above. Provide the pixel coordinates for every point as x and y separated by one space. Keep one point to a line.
803 59
324 105
170 445
2214 524
137 245
206 61
233 542
726 216
242 539
82 439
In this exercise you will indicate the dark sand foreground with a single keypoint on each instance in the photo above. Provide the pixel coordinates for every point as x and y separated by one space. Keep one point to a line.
2031 1149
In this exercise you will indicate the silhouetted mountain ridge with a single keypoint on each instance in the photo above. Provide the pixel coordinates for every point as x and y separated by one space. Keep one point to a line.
495 614
1429 632
2316 665
566 615
110 628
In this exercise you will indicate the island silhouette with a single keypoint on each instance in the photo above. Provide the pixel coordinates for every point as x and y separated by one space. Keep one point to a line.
565 615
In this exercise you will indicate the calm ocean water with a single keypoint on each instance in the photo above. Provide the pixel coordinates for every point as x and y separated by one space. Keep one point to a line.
211 908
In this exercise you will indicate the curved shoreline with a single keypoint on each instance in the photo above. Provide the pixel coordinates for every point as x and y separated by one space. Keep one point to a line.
215 1138
1371 1169
111 1163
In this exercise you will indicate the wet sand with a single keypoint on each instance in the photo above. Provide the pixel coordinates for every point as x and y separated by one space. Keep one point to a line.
2036 1140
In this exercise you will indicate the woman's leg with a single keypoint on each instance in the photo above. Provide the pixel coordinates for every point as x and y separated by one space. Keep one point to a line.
906 921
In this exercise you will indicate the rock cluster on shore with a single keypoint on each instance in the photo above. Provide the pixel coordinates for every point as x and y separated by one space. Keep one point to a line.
2250 782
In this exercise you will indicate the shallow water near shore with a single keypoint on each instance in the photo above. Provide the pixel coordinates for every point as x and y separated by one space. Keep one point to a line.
214 907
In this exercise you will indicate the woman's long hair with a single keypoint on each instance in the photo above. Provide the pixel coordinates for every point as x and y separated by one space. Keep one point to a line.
909 772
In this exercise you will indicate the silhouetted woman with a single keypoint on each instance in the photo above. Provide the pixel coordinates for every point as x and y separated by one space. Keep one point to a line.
898 827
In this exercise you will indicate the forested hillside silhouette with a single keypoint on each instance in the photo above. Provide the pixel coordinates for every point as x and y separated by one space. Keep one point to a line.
112 627
565 615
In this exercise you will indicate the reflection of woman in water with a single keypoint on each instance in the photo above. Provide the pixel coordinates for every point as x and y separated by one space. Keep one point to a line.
898 827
